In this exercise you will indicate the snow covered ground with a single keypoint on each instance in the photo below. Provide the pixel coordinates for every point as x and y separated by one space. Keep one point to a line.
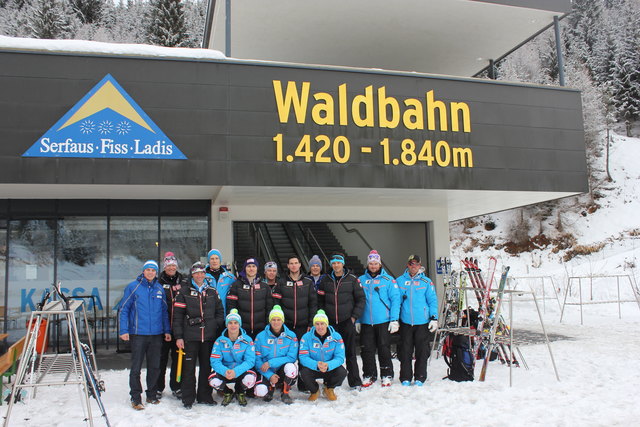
597 363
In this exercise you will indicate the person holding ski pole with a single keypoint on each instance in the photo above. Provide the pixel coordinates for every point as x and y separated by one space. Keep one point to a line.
232 360
170 279
418 321
144 320
198 313
378 321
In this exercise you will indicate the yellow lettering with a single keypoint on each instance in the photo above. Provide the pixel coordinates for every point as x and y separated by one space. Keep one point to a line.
413 117
383 104
291 97
432 105
365 100
322 113
462 157
466 119
342 104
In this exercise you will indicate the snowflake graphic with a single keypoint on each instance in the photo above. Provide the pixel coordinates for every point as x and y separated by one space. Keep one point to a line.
105 127
87 126
123 128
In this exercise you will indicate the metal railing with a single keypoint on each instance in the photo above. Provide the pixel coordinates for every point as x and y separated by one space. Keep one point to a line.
368 245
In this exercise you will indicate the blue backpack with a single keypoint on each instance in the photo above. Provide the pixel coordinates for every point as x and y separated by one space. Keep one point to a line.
457 355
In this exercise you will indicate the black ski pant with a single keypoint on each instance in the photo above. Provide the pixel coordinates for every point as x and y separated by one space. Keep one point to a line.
332 379
196 354
372 338
414 339
144 346
169 351
239 386
348 332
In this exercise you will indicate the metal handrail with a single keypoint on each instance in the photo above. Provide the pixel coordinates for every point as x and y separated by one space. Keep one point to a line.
366 242
260 238
324 255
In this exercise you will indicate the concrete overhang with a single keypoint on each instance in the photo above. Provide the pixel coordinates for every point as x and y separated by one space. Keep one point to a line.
451 37
459 203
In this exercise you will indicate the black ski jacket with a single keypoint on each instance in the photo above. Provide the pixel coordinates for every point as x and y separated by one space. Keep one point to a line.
253 301
298 299
197 316
341 299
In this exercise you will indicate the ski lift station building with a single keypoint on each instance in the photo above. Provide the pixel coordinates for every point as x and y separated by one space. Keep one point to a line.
327 126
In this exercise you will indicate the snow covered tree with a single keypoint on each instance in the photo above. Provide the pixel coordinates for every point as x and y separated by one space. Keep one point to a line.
195 12
584 27
88 11
50 19
167 25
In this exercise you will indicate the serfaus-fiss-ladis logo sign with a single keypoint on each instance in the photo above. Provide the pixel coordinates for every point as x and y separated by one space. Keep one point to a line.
106 123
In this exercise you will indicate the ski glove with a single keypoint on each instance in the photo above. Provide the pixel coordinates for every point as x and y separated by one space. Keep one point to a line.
394 326
357 325
433 325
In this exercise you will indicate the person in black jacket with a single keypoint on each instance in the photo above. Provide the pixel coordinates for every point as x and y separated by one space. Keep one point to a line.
341 296
251 297
298 298
170 279
198 314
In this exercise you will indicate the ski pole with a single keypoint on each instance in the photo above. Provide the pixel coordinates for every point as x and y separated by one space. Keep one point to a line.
179 367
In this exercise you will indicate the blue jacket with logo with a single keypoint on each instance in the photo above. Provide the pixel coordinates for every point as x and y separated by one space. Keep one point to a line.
239 355
383 298
277 350
312 350
143 309
222 286
419 302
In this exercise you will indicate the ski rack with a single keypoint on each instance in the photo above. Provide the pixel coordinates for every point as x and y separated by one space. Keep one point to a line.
54 369
466 330
582 303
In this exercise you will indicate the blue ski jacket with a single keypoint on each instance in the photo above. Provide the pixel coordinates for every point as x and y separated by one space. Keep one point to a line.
239 355
277 350
143 309
312 350
222 286
383 298
419 302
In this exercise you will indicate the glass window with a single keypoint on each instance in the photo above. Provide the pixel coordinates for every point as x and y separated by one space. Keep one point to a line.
186 237
30 270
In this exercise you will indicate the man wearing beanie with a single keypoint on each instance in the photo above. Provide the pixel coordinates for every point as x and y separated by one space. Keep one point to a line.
340 294
198 314
298 298
418 321
144 320
170 279
322 355
315 271
378 321
221 279
232 359
276 355
251 298
270 274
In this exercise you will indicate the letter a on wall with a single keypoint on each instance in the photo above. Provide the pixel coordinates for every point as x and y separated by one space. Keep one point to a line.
105 123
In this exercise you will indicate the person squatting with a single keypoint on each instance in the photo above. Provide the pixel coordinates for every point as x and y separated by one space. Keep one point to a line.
254 334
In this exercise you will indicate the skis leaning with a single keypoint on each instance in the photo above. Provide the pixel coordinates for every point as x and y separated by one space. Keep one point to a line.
494 325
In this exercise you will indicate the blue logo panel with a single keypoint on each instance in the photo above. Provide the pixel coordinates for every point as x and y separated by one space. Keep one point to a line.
106 123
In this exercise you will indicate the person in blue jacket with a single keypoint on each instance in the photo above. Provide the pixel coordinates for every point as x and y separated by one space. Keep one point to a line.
322 356
378 321
418 321
276 355
232 358
144 320
221 278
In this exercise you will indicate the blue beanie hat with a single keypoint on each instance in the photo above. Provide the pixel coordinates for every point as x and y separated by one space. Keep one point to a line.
315 260
250 261
214 252
150 264
233 316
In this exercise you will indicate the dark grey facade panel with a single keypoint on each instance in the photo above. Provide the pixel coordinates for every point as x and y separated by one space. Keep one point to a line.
223 117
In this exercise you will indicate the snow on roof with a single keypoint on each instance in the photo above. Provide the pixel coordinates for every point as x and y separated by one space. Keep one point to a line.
93 47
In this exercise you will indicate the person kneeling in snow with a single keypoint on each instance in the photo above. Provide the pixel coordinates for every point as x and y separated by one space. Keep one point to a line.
276 354
232 357
322 355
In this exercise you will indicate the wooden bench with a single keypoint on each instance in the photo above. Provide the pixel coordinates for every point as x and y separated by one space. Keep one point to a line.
9 362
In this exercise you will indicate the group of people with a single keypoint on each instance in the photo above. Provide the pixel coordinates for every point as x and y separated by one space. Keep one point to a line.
260 332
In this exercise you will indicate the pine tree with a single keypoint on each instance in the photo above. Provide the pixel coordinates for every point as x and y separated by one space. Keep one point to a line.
50 19
88 11
584 28
167 25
